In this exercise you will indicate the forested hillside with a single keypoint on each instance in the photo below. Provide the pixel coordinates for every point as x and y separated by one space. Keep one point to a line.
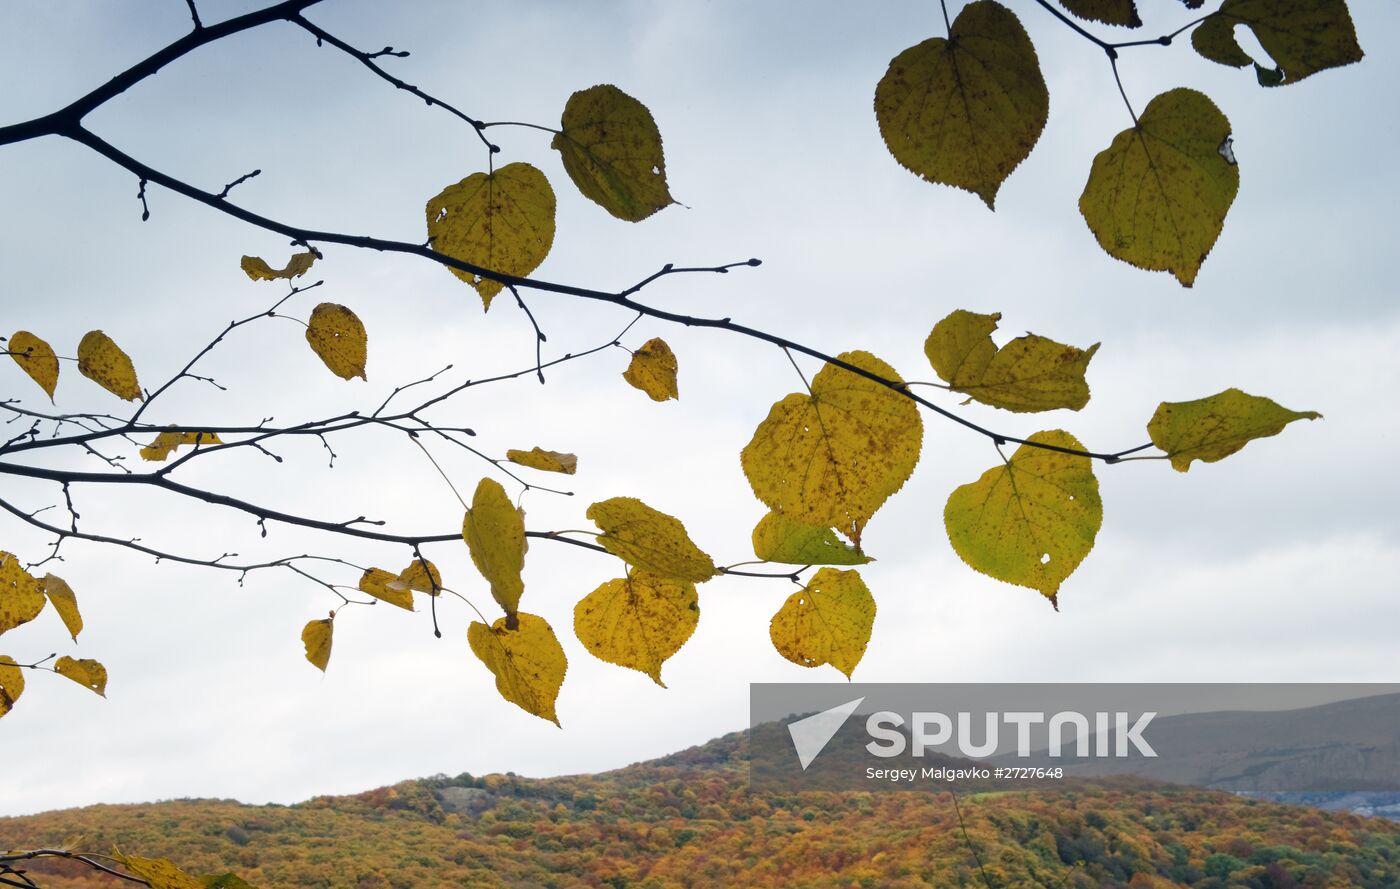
688 820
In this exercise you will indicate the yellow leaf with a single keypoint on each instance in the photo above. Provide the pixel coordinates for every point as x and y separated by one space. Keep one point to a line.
11 683
828 622
832 457
65 603
494 530
653 370
548 461
1032 520
421 575
650 540
384 585
1030 373
36 358
611 148
21 594
503 222
166 443
1302 37
338 338
638 621
526 659
1213 428
1110 12
777 538
103 362
316 636
159 873
257 269
87 672
1157 196
967 110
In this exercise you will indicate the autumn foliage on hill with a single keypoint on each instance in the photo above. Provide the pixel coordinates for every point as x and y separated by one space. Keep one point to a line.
690 821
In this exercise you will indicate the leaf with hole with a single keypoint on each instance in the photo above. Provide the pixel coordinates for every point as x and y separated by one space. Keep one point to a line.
1213 428
1302 37
967 110
828 622
1157 196
1031 520
88 673
778 538
611 149
832 456
638 621
503 222
651 540
526 658
338 338
36 358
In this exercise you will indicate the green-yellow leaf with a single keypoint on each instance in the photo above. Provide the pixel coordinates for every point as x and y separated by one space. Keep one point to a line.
1157 196
1302 37
832 457
1029 521
1213 428
638 621
103 362
828 622
338 337
526 658
166 443
650 540
547 461
11 683
1109 12
967 110
36 358
64 602
21 594
421 575
87 672
384 585
1030 373
778 538
494 530
316 636
258 269
225 881
159 873
503 222
611 148
653 370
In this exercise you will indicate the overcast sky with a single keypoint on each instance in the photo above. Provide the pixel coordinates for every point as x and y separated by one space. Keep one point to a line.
1279 563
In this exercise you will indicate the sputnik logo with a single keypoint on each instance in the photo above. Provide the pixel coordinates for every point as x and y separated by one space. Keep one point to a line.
811 734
